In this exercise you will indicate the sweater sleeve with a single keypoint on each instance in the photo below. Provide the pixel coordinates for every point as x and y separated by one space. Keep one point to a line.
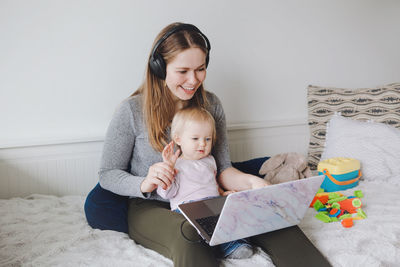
221 148
119 142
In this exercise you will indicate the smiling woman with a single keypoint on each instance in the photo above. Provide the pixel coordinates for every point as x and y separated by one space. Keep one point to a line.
185 74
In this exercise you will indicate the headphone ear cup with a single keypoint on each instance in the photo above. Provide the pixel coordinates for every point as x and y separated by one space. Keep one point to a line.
157 66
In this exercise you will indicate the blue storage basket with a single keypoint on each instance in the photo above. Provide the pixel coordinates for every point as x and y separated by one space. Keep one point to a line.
339 182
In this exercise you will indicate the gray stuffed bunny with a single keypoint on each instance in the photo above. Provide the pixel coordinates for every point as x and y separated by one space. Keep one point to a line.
285 167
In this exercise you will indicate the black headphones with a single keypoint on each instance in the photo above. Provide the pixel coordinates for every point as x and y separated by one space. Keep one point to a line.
157 63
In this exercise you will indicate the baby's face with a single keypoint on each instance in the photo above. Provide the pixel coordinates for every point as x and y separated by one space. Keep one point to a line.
195 140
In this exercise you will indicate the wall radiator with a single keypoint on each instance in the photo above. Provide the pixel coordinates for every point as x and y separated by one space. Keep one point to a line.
70 168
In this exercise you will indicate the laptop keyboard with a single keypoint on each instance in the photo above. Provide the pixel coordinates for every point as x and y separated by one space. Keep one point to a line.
208 223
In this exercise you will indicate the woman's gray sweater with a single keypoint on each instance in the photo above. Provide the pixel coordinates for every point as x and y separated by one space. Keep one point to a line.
127 154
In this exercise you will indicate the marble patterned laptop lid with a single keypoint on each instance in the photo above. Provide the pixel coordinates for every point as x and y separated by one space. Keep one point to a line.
253 212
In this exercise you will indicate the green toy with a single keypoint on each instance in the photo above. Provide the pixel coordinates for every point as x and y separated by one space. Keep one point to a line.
323 217
318 205
358 193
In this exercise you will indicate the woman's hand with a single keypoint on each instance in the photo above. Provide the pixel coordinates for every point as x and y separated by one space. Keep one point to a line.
160 174
256 182
233 179
223 193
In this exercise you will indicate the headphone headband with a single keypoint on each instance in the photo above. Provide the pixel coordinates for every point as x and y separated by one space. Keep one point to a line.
157 63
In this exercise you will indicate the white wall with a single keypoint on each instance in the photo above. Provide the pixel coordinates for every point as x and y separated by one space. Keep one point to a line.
66 64
71 168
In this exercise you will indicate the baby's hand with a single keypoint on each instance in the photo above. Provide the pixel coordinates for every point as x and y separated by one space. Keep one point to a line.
168 154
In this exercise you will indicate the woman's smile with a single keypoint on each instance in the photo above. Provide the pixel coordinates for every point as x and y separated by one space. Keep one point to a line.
186 72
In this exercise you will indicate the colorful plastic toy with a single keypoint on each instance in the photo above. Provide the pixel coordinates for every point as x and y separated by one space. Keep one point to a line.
340 173
347 222
333 207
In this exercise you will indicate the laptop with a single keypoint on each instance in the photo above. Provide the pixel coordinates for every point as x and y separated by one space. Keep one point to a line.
251 212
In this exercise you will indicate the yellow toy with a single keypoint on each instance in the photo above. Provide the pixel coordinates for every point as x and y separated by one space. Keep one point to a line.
340 173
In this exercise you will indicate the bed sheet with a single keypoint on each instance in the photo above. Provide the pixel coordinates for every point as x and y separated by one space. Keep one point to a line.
43 230
374 241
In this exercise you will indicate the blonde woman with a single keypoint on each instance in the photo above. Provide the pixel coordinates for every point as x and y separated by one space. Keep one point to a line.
132 167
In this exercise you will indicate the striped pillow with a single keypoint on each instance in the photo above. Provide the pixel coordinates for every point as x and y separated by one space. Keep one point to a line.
380 104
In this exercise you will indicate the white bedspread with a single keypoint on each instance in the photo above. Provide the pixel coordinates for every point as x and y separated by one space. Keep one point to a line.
50 231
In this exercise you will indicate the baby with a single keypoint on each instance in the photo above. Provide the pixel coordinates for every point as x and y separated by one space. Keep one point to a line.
193 130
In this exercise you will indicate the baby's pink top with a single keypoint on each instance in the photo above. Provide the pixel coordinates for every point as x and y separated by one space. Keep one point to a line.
195 180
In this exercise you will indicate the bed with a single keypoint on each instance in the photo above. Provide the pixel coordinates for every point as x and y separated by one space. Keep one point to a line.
44 230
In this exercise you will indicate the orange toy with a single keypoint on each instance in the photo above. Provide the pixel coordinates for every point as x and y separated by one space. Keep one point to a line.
323 197
334 212
348 222
350 205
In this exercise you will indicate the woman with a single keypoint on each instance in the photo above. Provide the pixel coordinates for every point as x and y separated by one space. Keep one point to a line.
132 165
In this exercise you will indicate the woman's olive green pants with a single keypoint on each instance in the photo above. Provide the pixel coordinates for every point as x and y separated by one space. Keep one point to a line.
154 226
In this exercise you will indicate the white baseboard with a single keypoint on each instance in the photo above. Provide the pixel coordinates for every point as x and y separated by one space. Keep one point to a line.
70 168
57 169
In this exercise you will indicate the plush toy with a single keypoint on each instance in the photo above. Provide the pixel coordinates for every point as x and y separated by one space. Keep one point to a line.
285 167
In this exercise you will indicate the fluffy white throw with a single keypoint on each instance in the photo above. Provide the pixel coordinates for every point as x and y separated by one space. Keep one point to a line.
51 231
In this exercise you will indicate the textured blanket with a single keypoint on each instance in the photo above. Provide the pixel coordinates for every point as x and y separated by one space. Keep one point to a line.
45 230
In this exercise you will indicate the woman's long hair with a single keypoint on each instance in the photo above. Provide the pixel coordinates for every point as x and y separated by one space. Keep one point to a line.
158 104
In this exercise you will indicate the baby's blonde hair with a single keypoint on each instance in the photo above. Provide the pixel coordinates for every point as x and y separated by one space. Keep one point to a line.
190 114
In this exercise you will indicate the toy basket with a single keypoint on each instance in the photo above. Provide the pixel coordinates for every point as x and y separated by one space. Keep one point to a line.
340 173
